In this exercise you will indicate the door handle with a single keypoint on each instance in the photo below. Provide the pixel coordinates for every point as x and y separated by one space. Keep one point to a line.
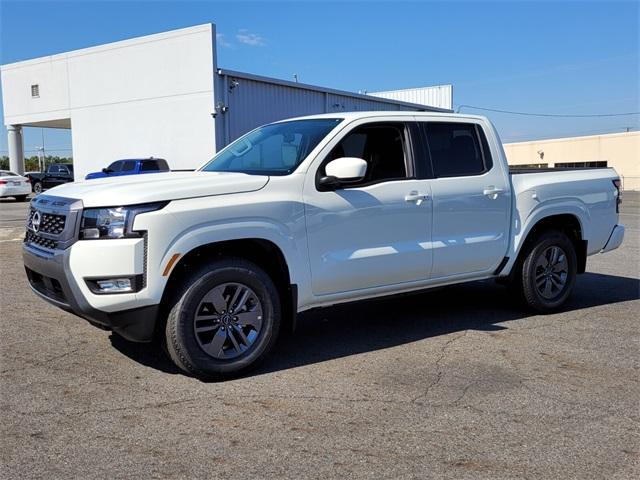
416 197
492 192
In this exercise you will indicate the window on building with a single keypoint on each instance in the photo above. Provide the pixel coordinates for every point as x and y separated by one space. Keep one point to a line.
456 150
598 164
35 91
381 146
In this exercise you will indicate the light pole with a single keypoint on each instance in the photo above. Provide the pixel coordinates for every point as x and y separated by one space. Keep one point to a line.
41 160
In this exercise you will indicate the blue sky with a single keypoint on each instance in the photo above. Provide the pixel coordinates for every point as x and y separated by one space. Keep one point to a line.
577 57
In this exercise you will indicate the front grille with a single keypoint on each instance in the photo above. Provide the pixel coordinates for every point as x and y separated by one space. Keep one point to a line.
33 239
49 223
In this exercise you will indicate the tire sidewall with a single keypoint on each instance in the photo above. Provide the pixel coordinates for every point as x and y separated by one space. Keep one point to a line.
37 188
180 325
532 296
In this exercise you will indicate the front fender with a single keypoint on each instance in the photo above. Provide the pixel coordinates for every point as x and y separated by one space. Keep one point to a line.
172 235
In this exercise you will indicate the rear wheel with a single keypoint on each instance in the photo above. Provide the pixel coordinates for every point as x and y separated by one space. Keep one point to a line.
548 272
37 188
225 320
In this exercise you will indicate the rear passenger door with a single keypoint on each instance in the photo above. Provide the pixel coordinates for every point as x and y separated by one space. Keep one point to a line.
471 200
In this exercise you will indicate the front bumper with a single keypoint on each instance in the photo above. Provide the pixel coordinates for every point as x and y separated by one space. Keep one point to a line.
615 239
50 278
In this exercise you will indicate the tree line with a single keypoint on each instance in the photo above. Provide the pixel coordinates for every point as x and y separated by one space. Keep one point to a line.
32 164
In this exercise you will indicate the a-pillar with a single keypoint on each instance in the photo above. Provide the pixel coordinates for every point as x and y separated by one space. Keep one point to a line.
16 149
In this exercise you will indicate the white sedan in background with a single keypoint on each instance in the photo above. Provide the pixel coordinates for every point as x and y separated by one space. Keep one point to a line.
14 185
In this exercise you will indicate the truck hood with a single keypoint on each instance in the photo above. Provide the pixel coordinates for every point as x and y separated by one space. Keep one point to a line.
135 189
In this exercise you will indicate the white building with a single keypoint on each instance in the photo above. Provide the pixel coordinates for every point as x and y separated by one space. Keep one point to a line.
160 95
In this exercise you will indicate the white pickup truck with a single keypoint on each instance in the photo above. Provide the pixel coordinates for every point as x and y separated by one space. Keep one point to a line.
307 213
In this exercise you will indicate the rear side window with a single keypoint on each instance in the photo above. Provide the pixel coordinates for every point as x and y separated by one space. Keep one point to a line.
149 166
162 164
457 149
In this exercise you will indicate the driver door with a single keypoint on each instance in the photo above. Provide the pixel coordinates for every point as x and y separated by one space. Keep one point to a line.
376 232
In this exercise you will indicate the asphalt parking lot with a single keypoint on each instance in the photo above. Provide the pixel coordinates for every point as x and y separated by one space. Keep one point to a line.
455 383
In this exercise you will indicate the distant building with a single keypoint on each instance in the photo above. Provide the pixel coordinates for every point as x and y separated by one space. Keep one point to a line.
618 150
160 95
440 96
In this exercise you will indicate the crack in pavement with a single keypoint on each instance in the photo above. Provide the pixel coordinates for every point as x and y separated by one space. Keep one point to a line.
439 371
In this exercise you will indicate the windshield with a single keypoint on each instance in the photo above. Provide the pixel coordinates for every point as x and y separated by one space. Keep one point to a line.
275 149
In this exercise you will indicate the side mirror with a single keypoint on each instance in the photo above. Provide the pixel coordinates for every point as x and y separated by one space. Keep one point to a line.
343 170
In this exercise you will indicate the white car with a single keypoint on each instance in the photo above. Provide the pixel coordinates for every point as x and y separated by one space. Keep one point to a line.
14 185
307 213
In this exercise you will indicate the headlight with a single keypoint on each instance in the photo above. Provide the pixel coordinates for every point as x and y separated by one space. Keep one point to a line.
113 222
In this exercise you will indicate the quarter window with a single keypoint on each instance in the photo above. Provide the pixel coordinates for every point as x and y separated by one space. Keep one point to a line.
457 149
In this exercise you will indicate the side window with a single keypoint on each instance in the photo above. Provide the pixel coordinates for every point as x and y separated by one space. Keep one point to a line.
115 166
128 166
382 146
63 169
149 166
162 164
456 149
54 169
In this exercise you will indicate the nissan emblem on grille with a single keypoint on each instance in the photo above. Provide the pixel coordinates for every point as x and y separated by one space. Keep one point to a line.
35 222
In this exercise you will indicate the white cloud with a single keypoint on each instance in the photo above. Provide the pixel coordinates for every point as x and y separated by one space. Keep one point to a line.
222 41
251 39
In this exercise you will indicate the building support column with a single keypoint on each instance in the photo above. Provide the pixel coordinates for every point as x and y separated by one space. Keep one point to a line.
16 149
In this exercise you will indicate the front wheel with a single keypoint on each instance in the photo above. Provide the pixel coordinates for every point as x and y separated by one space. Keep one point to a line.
37 188
548 271
224 321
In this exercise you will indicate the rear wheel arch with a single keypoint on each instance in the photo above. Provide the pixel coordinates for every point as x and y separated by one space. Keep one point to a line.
567 223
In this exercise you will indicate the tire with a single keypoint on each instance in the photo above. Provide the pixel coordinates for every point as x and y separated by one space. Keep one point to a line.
548 272
21 198
37 188
205 338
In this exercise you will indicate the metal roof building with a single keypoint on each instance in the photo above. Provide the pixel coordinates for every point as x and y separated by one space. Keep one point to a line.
437 96
160 95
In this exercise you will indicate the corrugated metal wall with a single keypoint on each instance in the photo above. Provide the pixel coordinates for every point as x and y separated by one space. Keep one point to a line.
252 101
440 96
